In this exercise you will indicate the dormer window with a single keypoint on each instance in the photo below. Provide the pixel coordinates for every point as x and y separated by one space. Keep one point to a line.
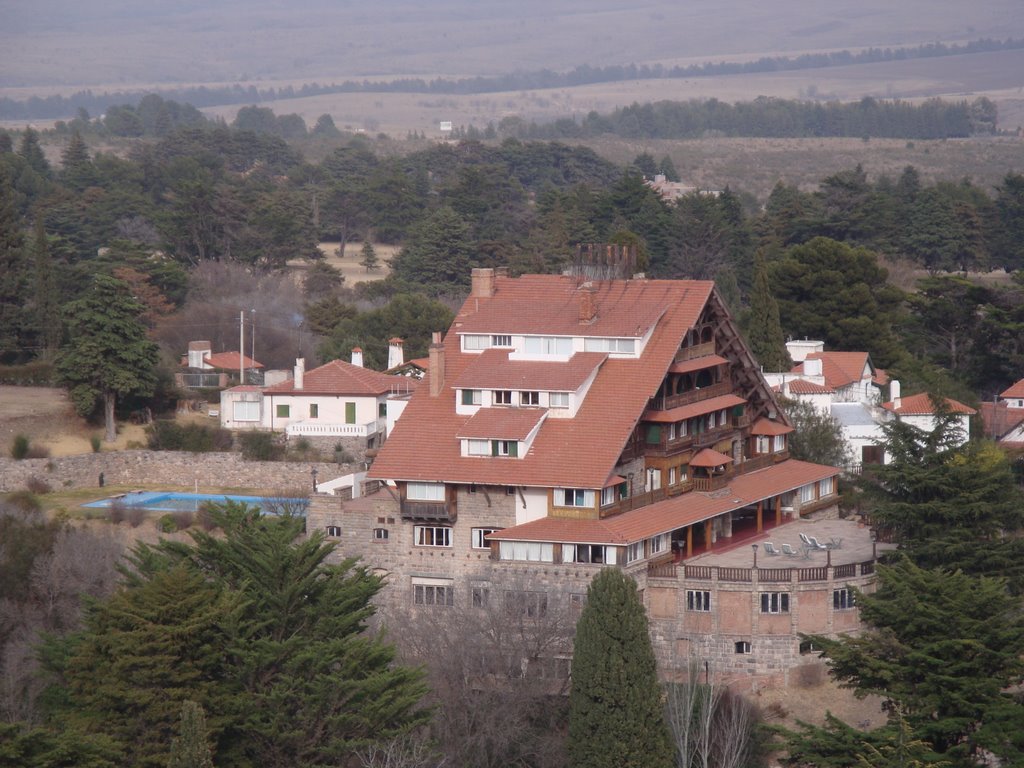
529 398
505 448
558 400
501 340
502 397
479 447
615 346
474 342
548 345
471 397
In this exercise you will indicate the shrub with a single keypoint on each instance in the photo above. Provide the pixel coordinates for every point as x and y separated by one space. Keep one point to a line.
117 511
38 452
96 443
19 448
167 524
195 438
135 516
260 446
183 519
37 485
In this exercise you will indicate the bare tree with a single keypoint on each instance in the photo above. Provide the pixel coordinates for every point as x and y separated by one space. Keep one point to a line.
408 751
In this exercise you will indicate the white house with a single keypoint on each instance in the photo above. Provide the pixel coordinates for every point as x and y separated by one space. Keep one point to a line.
336 400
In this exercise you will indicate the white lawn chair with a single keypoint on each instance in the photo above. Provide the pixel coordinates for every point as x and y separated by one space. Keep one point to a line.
790 552
815 544
769 549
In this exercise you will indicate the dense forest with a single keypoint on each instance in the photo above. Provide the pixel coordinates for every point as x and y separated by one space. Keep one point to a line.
57 107
246 646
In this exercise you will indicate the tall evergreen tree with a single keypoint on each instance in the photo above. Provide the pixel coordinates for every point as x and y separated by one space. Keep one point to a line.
191 749
616 718
77 170
764 330
12 274
369 260
108 354
46 304
438 252
32 152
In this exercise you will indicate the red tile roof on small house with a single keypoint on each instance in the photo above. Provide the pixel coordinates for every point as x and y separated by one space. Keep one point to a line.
673 513
769 427
840 369
805 387
340 378
922 405
1015 390
229 361
493 370
502 423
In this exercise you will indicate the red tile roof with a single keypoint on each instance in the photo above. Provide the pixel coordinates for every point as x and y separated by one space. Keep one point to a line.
769 427
697 364
549 305
502 423
1014 390
921 405
805 387
229 361
673 513
710 458
1000 420
580 452
340 378
493 370
694 409
839 368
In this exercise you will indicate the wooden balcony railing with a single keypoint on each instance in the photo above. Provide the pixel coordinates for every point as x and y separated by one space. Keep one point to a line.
666 402
428 510
697 350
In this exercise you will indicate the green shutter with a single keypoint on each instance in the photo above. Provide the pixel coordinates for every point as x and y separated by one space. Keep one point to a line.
467 397
653 433
513 448
350 413
494 447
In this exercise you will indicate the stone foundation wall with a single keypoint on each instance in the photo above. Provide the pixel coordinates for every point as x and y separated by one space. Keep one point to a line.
165 468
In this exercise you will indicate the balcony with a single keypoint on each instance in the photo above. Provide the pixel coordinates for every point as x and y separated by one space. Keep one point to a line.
322 429
697 350
666 402
433 511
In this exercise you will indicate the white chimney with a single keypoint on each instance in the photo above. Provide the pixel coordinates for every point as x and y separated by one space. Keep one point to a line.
396 356
799 349
357 356
812 367
300 370
894 394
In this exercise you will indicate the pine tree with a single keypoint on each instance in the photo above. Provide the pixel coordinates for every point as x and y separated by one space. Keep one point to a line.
12 274
615 712
369 261
77 171
764 328
190 749
33 153
47 299
108 354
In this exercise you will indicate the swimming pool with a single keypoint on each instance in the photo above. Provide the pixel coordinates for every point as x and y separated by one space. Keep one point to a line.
164 501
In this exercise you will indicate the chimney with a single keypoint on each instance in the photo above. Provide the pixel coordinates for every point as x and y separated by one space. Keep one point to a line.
395 354
812 367
894 394
357 356
197 351
436 364
482 279
588 310
300 370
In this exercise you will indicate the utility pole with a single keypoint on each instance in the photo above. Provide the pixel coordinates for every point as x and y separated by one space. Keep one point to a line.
253 355
241 346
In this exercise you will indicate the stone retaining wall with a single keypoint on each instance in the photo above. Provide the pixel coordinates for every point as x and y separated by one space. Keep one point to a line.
166 468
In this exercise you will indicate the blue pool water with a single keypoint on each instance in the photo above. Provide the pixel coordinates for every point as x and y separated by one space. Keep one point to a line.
163 501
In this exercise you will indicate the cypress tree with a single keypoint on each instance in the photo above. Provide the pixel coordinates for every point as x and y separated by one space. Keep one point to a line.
12 273
47 300
764 329
616 718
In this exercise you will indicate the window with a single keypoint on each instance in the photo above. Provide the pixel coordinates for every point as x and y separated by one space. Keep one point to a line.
826 487
653 434
350 413
433 592
532 605
548 345
698 600
245 410
334 531
612 494
380 534
529 398
621 346
510 490
382 410
843 599
775 602
558 400
283 411
424 491
530 551
659 543
472 342
501 340
432 536
471 397
588 553
479 542
505 448
807 493
742 646
634 552
479 447
502 397
761 444
573 497
779 443
481 597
